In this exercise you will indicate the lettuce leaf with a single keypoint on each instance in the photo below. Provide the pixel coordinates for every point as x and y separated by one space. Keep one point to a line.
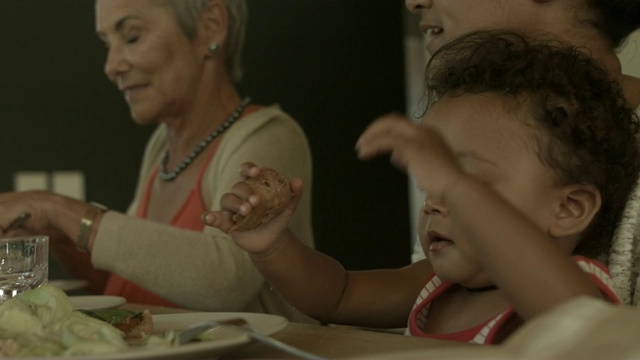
42 322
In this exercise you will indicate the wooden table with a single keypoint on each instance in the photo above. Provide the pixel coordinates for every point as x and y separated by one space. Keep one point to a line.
336 342
333 342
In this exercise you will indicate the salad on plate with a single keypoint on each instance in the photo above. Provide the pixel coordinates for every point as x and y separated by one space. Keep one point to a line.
42 323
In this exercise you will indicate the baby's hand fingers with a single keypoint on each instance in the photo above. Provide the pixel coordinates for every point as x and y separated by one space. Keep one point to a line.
383 136
233 203
382 141
222 220
245 192
249 170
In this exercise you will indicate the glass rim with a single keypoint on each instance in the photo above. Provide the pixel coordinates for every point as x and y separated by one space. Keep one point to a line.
24 237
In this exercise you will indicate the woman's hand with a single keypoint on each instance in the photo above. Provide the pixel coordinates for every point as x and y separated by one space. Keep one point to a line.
49 213
242 200
36 203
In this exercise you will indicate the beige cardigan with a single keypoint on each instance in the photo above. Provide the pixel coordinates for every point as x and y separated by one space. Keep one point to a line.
624 257
206 270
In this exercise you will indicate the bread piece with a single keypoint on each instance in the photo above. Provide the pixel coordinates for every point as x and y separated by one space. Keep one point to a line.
275 194
137 327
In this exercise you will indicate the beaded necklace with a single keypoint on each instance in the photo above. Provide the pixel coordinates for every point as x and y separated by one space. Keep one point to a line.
173 174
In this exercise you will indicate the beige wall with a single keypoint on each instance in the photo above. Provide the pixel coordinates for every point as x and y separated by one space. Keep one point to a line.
630 55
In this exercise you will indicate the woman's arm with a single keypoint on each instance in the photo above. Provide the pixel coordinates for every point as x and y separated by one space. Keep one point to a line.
206 270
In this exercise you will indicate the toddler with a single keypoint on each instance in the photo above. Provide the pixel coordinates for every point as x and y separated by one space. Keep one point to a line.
526 155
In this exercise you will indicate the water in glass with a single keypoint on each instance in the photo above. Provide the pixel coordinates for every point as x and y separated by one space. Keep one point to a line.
24 264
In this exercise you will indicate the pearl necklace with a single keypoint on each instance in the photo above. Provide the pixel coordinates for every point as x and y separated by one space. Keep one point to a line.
173 174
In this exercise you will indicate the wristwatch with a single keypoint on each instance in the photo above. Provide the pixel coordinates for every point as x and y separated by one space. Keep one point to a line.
86 224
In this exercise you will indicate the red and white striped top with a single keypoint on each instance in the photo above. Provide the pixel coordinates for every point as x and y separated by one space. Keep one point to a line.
485 332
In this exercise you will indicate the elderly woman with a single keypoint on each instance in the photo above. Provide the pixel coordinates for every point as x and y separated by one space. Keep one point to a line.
176 63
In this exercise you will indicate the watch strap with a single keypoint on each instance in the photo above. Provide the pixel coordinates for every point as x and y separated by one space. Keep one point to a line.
86 225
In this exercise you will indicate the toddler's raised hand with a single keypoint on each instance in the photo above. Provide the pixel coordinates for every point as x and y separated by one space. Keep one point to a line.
417 149
258 209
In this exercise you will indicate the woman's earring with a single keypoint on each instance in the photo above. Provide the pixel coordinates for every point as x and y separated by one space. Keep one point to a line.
213 47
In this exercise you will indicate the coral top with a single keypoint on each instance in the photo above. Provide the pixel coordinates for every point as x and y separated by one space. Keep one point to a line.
188 217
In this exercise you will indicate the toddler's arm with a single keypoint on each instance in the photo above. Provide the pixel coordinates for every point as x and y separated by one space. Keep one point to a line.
310 280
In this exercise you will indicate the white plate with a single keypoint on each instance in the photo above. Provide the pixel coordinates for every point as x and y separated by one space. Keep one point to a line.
96 302
68 285
224 341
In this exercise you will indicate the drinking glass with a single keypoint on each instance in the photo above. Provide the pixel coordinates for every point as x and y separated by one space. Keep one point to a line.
24 264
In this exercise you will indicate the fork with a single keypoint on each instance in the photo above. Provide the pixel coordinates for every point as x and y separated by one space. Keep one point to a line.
193 331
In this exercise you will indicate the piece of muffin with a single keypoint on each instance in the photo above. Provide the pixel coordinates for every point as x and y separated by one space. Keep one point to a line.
275 194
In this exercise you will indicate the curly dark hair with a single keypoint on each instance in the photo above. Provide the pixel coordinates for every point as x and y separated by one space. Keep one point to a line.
586 130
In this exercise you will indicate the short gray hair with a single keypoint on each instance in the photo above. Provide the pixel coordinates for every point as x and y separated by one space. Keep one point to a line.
186 13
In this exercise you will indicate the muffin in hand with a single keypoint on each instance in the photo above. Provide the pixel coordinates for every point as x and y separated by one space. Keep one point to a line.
274 192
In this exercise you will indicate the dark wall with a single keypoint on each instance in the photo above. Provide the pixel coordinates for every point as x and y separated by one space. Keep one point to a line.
334 65
58 110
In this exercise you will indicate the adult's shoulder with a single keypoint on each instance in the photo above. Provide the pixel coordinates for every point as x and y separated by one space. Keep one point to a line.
271 115
268 123
268 137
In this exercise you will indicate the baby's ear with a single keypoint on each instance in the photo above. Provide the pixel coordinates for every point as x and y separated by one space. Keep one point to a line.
579 205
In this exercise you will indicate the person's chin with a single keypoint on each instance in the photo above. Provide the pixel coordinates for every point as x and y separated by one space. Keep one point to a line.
449 273
434 43
447 263
456 269
141 117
